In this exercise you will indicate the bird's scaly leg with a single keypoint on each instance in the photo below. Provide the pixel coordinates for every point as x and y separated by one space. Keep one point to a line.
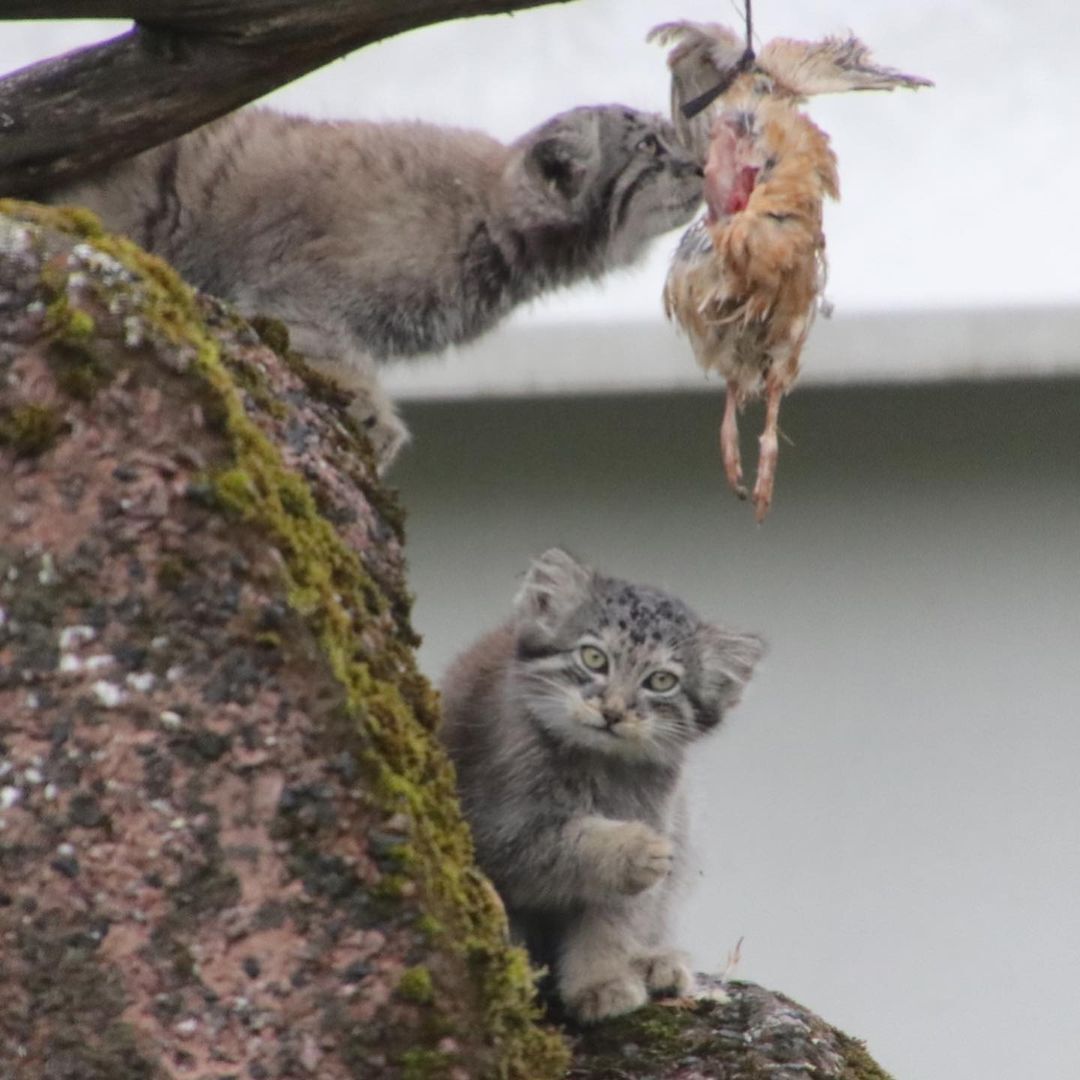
766 470
729 441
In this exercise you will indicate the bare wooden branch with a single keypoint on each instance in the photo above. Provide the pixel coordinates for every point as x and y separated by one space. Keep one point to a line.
266 18
187 64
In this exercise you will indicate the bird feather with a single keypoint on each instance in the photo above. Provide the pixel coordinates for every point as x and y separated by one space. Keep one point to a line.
746 280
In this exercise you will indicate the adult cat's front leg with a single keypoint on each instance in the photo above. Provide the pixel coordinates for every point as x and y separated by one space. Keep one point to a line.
370 407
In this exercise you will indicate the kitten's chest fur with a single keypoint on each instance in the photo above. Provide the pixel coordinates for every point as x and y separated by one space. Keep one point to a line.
609 787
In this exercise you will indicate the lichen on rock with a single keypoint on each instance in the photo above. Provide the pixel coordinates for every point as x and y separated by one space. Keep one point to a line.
245 699
229 840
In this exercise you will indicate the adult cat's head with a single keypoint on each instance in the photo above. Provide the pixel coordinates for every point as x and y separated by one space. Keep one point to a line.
608 177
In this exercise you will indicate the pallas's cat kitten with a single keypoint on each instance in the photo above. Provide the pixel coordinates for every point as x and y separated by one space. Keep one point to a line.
379 240
568 727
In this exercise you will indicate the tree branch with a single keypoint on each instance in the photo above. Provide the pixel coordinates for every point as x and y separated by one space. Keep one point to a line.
185 65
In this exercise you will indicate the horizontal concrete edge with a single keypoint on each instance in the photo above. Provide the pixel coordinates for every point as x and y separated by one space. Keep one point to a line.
531 358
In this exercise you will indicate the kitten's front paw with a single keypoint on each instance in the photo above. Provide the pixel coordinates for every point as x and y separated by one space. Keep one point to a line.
647 858
611 998
665 973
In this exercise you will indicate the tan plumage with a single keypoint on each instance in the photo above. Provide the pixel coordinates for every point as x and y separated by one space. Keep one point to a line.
746 278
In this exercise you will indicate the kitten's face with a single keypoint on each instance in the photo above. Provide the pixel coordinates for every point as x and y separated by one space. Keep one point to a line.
623 174
621 669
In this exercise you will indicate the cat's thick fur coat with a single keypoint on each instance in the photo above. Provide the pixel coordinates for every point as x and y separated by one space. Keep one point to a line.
380 240
568 727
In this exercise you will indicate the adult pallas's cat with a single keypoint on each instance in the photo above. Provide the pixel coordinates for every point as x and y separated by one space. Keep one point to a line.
380 240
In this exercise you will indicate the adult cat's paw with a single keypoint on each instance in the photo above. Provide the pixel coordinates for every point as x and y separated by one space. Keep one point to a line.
612 997
370 406
665 973
375 413
646 857
387 434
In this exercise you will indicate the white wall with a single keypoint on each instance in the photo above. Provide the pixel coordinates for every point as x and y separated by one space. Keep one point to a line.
891 819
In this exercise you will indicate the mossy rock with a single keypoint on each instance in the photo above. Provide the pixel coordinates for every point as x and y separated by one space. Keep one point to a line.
478 989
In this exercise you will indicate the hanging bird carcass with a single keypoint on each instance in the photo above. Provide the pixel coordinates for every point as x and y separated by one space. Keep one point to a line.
747 277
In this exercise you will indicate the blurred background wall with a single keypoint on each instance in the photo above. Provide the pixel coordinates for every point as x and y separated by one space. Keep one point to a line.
891 819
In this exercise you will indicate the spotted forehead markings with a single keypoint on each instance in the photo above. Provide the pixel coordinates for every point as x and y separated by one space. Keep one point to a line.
641 605
635 614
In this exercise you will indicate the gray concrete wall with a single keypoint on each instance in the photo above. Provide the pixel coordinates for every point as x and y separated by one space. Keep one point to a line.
891 820
606 356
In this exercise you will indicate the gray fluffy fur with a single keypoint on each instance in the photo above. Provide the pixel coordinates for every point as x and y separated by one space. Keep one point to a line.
571 777
373 241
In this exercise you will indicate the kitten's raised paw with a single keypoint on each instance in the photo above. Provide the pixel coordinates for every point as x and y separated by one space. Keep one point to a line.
648 857
665 973
611 998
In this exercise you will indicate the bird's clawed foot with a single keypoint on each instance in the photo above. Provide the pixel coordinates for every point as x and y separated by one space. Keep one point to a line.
768 452
729 442
766 474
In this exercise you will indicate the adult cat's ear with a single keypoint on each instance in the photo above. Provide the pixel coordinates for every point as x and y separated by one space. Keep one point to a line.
728 659
563 155
554 586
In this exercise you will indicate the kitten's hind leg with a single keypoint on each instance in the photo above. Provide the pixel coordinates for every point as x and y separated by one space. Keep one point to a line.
596 978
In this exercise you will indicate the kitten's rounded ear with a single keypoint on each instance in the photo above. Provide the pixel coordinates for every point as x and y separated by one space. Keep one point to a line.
554 585
728 659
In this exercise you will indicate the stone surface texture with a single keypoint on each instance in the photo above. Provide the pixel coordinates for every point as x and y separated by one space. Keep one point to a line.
229 843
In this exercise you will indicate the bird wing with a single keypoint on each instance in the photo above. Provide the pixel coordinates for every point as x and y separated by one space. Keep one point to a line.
829 66
703 55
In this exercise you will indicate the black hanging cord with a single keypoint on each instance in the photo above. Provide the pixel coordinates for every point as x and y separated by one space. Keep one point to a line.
695 105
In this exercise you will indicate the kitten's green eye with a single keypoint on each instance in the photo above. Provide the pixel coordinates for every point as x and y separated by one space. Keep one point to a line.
661 681
593 658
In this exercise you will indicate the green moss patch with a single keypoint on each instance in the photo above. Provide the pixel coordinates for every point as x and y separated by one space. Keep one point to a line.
415 985
30 429
655 1035
858 1064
